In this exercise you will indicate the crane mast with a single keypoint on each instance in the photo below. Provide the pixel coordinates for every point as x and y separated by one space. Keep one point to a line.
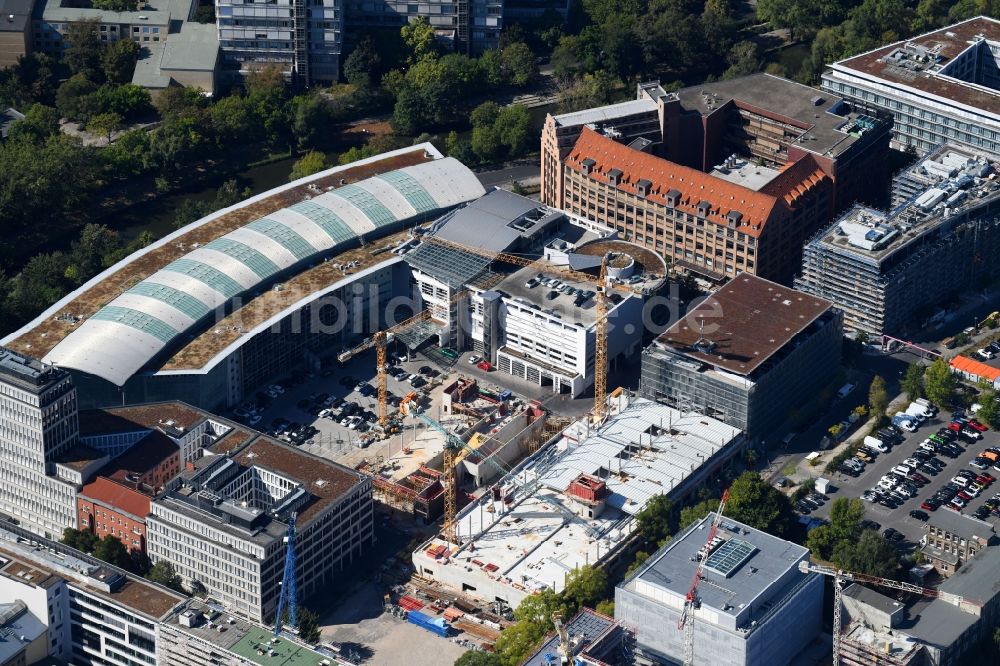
840 577
686 621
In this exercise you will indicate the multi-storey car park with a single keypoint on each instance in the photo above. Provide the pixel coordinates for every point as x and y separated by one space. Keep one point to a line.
888 270
942 86
219 307
573 502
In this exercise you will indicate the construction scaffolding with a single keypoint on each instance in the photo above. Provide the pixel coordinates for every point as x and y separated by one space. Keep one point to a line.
421 494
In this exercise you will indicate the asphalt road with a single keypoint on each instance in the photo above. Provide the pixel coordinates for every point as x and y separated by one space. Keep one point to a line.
911 528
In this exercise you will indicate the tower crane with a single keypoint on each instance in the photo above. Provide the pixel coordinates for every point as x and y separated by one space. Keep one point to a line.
840 577
691 601
289 597
601 282
380 341
565 646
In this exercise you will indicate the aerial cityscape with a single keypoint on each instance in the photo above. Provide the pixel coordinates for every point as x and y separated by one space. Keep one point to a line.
499 333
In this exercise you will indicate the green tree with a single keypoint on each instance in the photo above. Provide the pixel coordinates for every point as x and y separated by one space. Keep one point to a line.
118 60
310 118
939 383
760 505
913 381
94 250
39 123
491 68
113 551
310 163
485 143
871 554
75 98
408 112
878 399
606 607
656 521
640 559
267 92
362 67
232 119
478 658
821 541
692 514
418 36
309 630
116 5
129 101
585 586
513 126
989 408
518 64
83 51
82 540
163 573
517 641
744 58
105 125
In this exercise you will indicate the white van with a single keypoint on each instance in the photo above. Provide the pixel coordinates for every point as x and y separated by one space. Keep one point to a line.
876 444
845 391
902 470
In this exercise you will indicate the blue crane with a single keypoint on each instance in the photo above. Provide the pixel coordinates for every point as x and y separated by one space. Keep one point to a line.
289 585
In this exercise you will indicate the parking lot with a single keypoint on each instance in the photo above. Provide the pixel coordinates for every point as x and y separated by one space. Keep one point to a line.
898 518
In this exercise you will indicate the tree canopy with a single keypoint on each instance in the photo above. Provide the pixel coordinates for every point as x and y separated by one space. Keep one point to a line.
755 502
939 382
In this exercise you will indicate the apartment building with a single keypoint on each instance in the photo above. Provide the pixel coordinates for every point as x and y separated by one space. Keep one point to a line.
952 539
95 614
469 26
243 501
939 87
888 271
749 355
40 462
730 177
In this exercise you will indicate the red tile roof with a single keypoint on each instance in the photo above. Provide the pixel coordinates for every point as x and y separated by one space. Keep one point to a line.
693 185
975 368
756 207
116 495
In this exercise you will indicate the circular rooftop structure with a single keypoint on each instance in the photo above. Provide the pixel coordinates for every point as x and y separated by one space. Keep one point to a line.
630 263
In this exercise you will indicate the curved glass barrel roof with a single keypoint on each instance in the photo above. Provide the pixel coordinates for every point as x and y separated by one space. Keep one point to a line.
133 328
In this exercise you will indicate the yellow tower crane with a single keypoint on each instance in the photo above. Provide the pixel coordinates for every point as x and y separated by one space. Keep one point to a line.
601 327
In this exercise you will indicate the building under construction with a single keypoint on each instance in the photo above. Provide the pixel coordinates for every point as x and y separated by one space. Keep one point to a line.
754 604
420 494
573 502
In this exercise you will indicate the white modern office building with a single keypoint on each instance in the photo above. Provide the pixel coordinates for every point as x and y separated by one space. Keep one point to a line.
38 434
243 501
535 325
94 613
942 86
469 26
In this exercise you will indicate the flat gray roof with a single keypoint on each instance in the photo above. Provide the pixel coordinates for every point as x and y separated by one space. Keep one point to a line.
671 567
54 11
872 598
20 10
817 113
935 622
610 112
194 48
978 578
496 221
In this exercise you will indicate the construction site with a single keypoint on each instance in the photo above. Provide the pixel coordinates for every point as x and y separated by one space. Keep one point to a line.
573 502
496 429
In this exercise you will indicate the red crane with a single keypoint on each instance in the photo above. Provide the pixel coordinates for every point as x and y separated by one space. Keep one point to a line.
686 621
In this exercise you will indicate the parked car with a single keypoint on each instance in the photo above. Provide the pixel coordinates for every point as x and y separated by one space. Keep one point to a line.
919 515
930 504
980 463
